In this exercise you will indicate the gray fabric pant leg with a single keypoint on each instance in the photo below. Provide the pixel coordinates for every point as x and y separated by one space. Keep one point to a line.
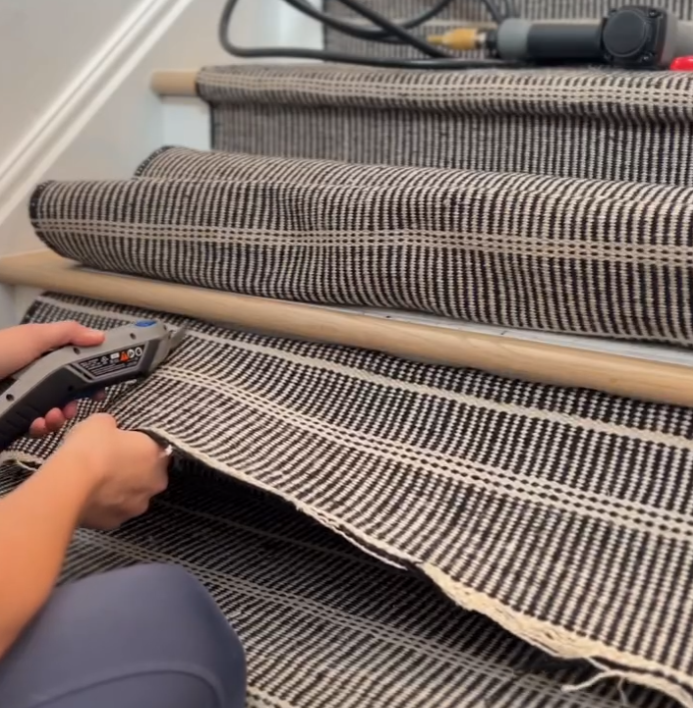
142 637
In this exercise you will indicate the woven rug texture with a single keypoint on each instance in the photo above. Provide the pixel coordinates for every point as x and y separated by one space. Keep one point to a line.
558 254
555 513
583 123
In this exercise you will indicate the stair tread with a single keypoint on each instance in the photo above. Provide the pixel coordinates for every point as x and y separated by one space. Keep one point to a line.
596 92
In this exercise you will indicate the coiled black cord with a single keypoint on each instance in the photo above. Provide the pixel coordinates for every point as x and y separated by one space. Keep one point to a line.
382 30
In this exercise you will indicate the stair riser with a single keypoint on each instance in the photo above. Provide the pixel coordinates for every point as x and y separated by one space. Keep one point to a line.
561 146
621 126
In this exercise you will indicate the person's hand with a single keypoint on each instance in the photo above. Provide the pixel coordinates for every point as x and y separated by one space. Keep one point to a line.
122 470
22 345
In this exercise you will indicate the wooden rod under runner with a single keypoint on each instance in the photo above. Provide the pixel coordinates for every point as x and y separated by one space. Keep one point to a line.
659 381
174 83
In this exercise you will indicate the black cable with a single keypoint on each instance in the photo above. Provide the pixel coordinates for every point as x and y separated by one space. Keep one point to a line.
401 34
365 33
511 9
394 29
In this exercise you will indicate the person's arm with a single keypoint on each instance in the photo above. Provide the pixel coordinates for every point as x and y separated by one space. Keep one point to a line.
100 477
37 521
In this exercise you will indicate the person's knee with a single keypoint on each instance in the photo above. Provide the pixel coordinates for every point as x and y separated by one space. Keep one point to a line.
147 627
160 586
172 603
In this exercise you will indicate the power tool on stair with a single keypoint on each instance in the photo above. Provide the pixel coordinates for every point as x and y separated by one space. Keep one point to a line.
127 353
632 37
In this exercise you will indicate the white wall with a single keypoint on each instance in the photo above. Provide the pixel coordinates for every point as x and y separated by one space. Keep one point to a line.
101 119
43 44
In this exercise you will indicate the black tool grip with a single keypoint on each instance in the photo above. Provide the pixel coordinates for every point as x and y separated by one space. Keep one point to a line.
564 42
55 391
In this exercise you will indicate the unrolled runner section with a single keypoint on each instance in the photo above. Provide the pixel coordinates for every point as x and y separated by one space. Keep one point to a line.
324 625
557 513
518 250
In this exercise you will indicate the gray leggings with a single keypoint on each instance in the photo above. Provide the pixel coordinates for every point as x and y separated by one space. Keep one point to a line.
143 637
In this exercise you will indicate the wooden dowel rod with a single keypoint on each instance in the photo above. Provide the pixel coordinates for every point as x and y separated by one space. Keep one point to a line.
174 83
511 357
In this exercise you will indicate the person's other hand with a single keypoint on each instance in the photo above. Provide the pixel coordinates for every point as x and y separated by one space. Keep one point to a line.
22 345
122 470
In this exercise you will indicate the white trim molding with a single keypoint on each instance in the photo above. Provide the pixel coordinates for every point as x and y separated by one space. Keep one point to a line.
62 122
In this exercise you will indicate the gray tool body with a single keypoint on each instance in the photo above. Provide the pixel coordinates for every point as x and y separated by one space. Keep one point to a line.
127 353
636 36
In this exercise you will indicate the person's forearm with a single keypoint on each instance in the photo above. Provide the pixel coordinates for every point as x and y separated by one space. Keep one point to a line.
37 522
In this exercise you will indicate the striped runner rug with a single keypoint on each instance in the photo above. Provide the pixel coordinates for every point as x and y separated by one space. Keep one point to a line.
558 254
579 122
561 515
323 625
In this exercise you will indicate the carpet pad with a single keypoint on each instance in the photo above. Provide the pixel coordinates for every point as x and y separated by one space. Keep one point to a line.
562 515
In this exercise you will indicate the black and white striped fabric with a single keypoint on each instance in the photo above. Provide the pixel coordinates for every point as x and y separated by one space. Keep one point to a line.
585 123
461 12
562 515
566 255
557 200
315 633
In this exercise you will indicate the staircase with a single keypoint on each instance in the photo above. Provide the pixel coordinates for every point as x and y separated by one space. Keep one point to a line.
452 467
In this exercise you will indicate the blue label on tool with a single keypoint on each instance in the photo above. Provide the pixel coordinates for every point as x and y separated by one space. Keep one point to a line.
145 323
